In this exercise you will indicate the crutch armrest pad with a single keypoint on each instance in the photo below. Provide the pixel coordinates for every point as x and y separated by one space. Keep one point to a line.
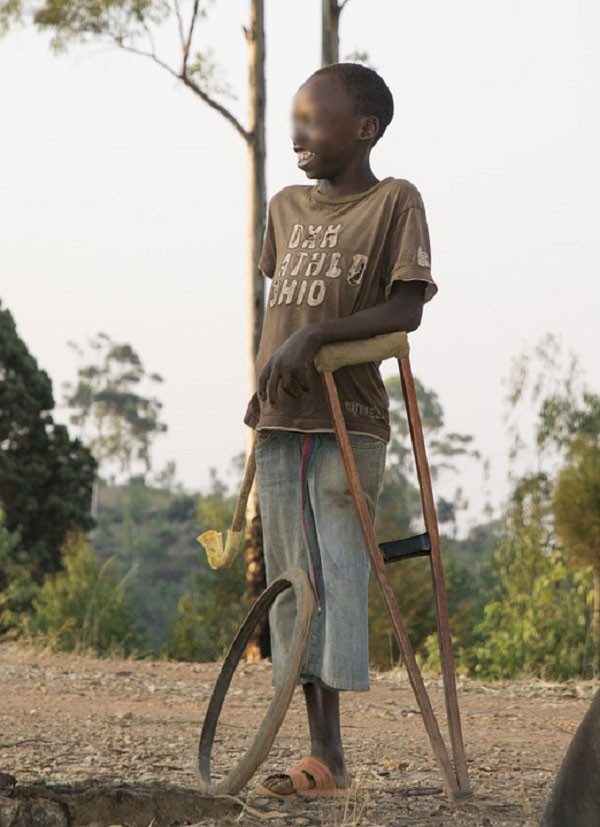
339 354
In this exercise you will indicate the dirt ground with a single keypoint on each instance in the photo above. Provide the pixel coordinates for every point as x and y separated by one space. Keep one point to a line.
90 721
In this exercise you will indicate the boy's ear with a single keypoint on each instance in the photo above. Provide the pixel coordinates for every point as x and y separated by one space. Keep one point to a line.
369 128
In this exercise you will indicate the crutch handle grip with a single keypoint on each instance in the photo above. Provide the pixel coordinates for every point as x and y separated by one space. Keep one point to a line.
339 354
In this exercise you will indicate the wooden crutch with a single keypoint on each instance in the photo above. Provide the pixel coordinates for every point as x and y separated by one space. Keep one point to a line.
329 358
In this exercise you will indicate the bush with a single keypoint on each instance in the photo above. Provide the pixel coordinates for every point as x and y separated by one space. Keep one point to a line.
208 618
17 587
84 607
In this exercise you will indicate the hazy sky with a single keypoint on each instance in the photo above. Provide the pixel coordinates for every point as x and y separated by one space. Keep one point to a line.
123 201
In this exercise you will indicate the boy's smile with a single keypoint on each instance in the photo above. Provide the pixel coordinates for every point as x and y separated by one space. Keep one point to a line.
305 156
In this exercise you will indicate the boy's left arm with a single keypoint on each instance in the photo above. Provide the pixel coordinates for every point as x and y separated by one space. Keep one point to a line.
290 362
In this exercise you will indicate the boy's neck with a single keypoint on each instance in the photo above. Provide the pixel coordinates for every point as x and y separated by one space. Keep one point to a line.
349 181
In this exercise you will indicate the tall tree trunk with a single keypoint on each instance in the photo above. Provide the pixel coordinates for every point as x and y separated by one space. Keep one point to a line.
330 41
255 35
596 619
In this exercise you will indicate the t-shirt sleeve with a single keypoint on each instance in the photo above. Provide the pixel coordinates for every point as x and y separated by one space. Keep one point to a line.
268 256
409 251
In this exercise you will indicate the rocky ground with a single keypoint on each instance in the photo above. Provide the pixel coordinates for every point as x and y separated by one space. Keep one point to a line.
104 742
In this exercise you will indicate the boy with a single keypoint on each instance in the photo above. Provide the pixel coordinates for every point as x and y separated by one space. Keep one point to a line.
348 258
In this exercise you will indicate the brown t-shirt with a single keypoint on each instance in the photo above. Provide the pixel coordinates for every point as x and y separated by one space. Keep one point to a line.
328 257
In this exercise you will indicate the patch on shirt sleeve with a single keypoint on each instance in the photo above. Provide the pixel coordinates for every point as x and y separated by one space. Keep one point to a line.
423 258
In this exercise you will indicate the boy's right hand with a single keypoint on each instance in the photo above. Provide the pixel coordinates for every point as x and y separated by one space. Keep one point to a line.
289 364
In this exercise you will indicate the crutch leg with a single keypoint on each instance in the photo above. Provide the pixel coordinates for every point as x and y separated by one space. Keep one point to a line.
437 571
368 532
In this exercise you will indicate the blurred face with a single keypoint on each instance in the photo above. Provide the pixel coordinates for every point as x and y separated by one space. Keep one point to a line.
326 132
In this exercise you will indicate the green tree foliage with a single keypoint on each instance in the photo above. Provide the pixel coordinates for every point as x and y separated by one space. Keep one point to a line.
144 525
153 529
117 421
183 607
537 619
546 382
84 607
209 615
18 587
45 477
577 513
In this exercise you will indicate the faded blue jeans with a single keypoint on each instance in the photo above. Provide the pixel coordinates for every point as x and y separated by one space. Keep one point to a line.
308 521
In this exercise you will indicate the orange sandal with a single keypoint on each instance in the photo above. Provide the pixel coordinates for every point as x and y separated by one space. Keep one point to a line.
301 774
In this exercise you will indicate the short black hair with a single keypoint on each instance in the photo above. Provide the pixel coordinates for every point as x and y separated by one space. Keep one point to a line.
367 90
